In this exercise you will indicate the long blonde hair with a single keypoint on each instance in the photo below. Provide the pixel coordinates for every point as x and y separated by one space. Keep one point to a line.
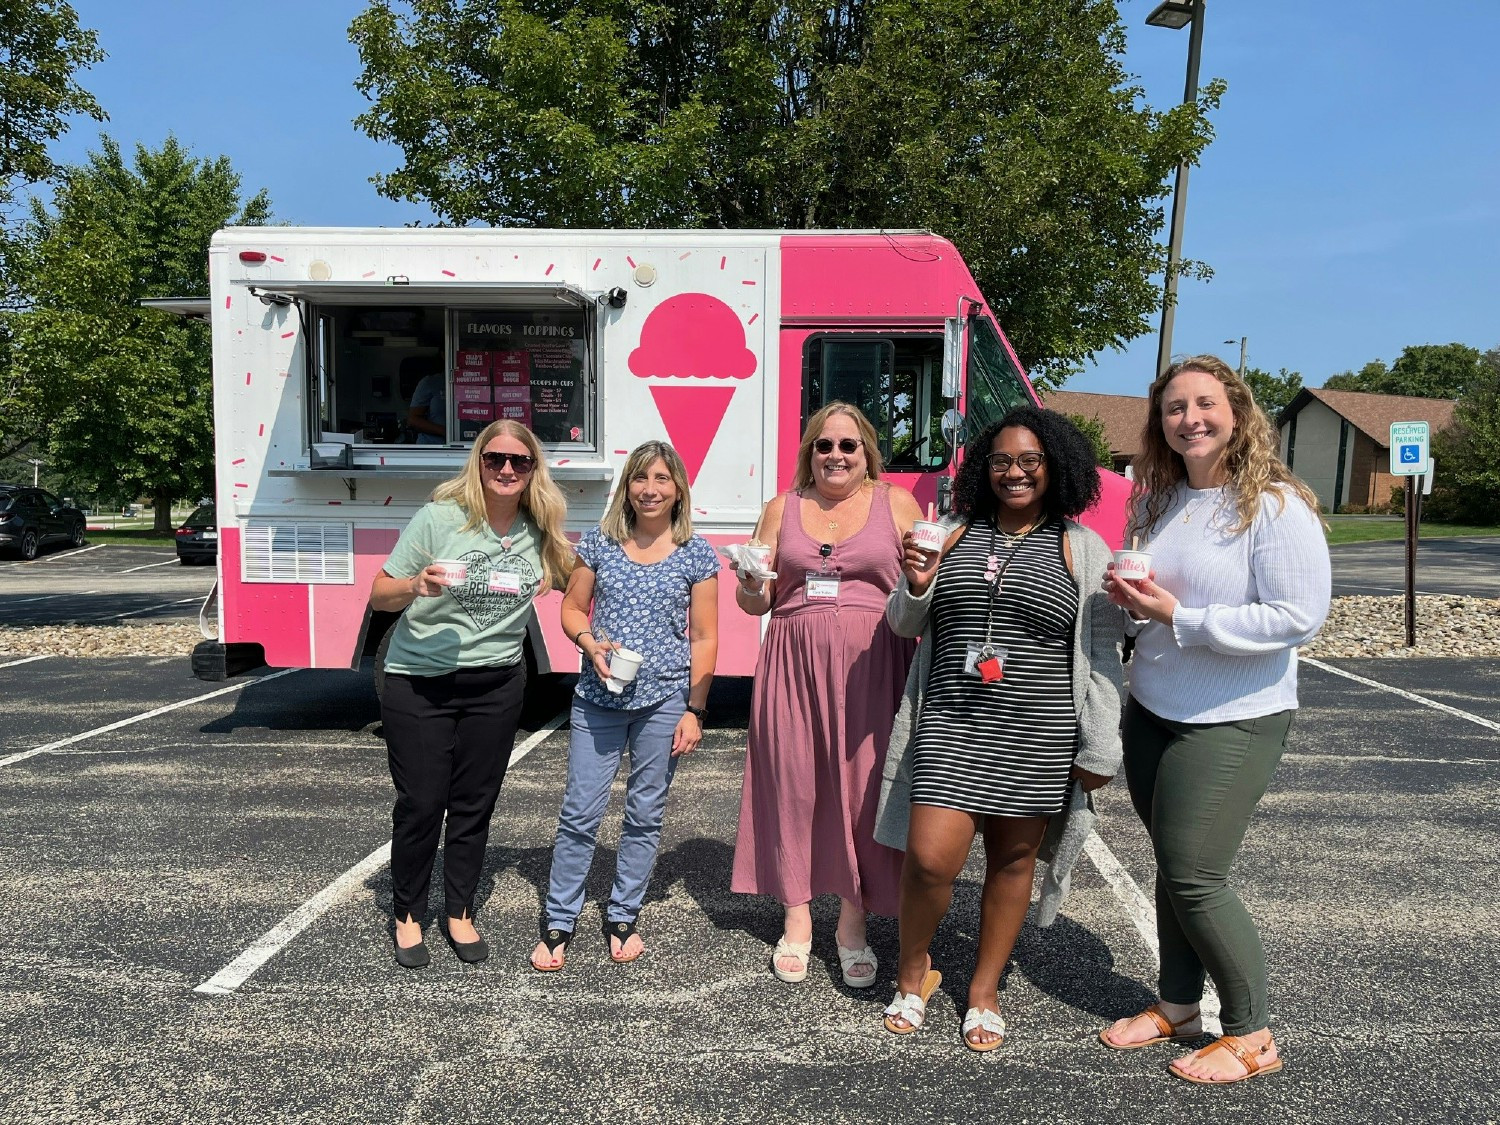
619 520
1252 458
867 436
541 499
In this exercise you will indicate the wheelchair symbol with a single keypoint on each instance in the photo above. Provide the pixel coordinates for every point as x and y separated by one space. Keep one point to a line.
1410 454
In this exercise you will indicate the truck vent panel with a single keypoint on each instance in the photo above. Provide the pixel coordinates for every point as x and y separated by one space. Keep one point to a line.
298 552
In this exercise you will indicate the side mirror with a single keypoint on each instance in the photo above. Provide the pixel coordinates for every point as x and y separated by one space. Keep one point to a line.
955 428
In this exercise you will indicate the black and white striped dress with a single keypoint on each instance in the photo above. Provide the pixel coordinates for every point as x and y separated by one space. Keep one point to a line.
1003 748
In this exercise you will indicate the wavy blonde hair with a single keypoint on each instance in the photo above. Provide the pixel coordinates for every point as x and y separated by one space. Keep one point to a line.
1252 457
867 436
619 520
541 499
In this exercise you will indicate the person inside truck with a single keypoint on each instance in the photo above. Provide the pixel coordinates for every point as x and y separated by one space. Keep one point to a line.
653 589
827 683
428 413
465 572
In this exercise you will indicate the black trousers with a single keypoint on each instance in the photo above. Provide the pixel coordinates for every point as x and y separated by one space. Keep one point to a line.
449 740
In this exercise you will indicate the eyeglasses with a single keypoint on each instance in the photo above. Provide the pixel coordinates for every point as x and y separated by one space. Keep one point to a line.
847 445
522 462
1029 462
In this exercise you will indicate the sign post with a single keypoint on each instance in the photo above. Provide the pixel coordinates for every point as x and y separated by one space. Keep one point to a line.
1410 454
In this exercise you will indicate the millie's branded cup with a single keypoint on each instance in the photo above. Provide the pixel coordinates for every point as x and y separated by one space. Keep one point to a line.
455 571
928 535
760 553
624 664
1132 566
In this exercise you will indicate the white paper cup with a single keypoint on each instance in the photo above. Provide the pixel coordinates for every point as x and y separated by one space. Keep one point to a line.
928 535
455 571
1132 566
761 555
624 664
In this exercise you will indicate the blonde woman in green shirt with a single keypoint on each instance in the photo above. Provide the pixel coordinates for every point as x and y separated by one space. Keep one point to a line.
455 677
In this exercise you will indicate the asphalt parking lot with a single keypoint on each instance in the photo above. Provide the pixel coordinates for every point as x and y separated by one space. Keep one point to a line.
195 927
102 584
1469 567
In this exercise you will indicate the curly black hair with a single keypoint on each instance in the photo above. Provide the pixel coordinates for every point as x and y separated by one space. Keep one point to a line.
1072 472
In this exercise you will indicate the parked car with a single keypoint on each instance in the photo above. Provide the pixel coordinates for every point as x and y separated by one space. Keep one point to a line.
31 518
198 537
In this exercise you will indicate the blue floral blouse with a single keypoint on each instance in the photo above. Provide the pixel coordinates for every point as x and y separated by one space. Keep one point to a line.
644 608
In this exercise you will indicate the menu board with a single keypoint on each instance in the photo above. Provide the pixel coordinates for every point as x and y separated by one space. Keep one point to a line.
534 366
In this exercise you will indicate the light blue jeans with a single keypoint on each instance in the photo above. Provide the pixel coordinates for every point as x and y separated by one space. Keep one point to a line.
599 740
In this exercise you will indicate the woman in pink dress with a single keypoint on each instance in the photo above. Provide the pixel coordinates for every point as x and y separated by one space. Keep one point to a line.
827 686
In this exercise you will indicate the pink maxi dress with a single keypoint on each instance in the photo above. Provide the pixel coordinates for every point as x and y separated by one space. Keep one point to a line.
827 686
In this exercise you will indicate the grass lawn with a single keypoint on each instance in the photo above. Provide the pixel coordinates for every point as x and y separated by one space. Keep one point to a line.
144 537
1368 529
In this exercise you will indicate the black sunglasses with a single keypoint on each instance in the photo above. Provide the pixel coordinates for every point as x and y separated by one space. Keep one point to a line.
847 445
521 462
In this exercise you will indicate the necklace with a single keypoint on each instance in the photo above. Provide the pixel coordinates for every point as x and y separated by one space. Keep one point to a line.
1196 505
994 573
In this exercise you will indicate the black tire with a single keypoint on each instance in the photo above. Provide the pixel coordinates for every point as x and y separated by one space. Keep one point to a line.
75 536
29 545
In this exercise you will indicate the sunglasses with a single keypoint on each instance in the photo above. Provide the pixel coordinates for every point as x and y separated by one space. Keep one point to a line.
1029 462
846 445
522 462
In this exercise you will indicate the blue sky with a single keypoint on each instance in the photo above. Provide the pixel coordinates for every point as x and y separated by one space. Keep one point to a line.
1349 205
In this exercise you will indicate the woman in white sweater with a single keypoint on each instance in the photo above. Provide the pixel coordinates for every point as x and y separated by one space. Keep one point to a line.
1239 578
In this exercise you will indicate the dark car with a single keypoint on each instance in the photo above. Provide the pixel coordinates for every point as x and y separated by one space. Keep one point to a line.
198 537
30 518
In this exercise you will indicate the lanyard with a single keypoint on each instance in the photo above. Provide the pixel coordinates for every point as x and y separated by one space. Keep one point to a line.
996 577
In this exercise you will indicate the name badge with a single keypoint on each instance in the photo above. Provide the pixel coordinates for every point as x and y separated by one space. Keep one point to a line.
821 587
505 582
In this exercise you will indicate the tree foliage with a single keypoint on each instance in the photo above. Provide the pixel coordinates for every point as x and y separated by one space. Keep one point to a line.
119 394
1273 393
1422 370
1466 485
1093 429
1005 125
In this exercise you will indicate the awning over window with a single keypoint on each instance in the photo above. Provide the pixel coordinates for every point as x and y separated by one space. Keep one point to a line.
491 294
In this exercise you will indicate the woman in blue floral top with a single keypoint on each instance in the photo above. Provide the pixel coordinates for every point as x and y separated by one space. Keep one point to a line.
653 587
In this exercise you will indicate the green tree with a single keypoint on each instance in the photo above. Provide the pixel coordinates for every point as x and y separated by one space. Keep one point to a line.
1273 393
1093 429
1466 485
124 393
1001 124
1422 370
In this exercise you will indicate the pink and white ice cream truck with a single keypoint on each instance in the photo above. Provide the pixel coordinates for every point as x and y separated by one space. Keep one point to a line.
720 342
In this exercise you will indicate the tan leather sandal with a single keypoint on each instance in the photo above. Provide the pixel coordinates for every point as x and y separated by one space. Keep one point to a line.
1248 1056
1169 1032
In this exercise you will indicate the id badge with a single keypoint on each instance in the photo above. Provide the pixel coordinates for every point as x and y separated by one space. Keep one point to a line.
505 582
821 587
985 663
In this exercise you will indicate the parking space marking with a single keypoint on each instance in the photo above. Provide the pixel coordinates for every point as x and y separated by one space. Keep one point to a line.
25 660
60 743
44 597
148 609
279 936
70 554
1411 695
148 566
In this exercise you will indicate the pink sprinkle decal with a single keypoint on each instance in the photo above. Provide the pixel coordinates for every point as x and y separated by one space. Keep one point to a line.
287 335
563 460
274 258
369 273
597 261
630 261
449 273
238 461
722 261
754 317
622 452
247 378
382 460
262 431
240 484
548 271
387 501
684 257
747 283
226 302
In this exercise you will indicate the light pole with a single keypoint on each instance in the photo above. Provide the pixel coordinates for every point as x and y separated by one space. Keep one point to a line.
1177 14
1244 345
36 464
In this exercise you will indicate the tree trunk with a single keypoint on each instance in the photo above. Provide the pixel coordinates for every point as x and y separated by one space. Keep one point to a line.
161 503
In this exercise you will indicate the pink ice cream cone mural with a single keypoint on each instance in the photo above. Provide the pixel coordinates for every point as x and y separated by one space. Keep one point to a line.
699 340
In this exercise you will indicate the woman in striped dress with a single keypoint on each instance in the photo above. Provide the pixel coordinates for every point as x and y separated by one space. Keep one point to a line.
1022 698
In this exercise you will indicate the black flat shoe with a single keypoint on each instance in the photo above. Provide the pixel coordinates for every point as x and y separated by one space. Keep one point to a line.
469 952
413 956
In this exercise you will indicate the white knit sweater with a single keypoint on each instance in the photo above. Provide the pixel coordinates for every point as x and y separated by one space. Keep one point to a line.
1245 602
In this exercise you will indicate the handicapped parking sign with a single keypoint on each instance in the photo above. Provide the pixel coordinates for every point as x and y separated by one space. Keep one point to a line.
1409 448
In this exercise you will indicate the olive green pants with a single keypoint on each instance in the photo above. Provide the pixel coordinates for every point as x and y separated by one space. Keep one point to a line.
1195 786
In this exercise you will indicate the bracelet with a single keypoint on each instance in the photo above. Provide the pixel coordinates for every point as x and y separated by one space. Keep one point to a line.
578 634
759 591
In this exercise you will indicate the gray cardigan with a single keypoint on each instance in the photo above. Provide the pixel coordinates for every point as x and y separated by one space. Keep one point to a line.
1098 685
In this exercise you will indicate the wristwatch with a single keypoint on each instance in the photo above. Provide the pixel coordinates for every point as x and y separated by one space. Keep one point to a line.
699 713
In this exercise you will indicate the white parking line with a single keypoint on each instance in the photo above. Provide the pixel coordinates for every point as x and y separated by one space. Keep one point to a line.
60 743
148 566
148 609
25 660
70 554
44 597
274 940
1413 696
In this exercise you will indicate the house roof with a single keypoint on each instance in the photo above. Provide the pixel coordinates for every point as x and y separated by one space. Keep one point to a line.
1372 415
1122 416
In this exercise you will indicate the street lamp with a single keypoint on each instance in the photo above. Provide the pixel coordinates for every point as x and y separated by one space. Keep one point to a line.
1244 342
1177 14
36 463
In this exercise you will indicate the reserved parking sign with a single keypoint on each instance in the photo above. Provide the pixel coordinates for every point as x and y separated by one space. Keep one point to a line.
1409 447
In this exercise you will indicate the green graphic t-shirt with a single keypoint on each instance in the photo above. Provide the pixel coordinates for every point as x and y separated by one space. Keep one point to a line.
479 623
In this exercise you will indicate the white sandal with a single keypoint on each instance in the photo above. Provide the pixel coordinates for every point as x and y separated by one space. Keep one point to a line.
977 1020
911 1006
798 950
848 958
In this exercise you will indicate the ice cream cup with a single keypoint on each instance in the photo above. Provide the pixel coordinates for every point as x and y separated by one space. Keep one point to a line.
928 535
455 571
761 555
1132 566
624 664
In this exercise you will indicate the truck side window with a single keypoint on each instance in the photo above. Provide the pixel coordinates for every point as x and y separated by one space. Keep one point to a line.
895 379
995 383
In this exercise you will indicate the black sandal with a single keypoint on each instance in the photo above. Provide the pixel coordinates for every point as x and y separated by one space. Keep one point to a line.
554 939
621 932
